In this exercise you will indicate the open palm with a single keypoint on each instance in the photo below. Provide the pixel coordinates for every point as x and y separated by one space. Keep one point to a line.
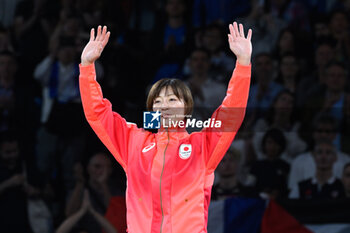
95 46
240 45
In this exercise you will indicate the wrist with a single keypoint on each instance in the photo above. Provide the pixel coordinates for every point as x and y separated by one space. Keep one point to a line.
244 60
85 63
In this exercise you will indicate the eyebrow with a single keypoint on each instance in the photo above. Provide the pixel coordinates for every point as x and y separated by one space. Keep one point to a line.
167 95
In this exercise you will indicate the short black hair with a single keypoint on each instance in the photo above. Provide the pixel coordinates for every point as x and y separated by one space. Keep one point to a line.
276 135
324 118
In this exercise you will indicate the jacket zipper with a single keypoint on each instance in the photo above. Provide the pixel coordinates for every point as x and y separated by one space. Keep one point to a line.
160 183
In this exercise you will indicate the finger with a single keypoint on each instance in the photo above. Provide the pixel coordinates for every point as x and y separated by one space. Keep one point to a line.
98 36
105 41
232 31
235 27
249 36
230 38
92 34
104 30
241 30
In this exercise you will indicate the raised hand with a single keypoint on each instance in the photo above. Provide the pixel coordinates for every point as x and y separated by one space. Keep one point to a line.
95 46
239 44
86 204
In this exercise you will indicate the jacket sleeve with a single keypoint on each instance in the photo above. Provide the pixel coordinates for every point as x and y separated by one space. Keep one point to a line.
231 114
110 127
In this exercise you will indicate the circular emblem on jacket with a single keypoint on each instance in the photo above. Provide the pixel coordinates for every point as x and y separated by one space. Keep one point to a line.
185 151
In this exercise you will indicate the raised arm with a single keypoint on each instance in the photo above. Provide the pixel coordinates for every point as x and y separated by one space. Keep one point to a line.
232 110
109 126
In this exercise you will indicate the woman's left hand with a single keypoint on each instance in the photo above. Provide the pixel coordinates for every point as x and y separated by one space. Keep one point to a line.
240 45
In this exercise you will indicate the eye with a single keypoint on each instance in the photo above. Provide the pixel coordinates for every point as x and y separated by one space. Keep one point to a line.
156 102
173 99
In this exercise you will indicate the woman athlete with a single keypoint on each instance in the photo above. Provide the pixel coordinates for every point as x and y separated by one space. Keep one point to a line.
169 173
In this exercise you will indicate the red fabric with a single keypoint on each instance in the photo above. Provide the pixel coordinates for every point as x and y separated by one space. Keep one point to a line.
116 213
277 220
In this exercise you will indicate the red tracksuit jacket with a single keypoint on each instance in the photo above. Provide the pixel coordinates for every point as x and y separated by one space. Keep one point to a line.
166 192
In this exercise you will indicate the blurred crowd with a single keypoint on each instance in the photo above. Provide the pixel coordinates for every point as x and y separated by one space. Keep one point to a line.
294 142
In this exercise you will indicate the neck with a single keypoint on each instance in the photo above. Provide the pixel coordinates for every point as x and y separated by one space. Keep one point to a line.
323 176
282 120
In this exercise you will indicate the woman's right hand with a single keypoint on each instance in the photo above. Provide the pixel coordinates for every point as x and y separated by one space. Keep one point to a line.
95 46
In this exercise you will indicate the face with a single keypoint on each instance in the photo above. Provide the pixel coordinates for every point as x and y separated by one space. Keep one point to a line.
199 63
325 156
10 153
335 78
284 103
289 66
338 23
286 42
324 131
212 40
272 148
228 165
263 67
321 29
99 166
346 180
323 55
171 107
175 8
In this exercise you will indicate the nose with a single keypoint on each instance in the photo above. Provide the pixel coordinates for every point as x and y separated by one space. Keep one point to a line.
164 105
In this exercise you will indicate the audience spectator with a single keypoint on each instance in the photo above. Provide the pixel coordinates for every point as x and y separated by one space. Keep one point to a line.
346 180
265 26
293 12
229 184
18 183
289 72
212 38
207 93
323 183
271 173
323 55
286 43
206 12
303 166
99 185
339 28
282 116
171 40
86 207
62 132
16 101
264 91
332 97
32 27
